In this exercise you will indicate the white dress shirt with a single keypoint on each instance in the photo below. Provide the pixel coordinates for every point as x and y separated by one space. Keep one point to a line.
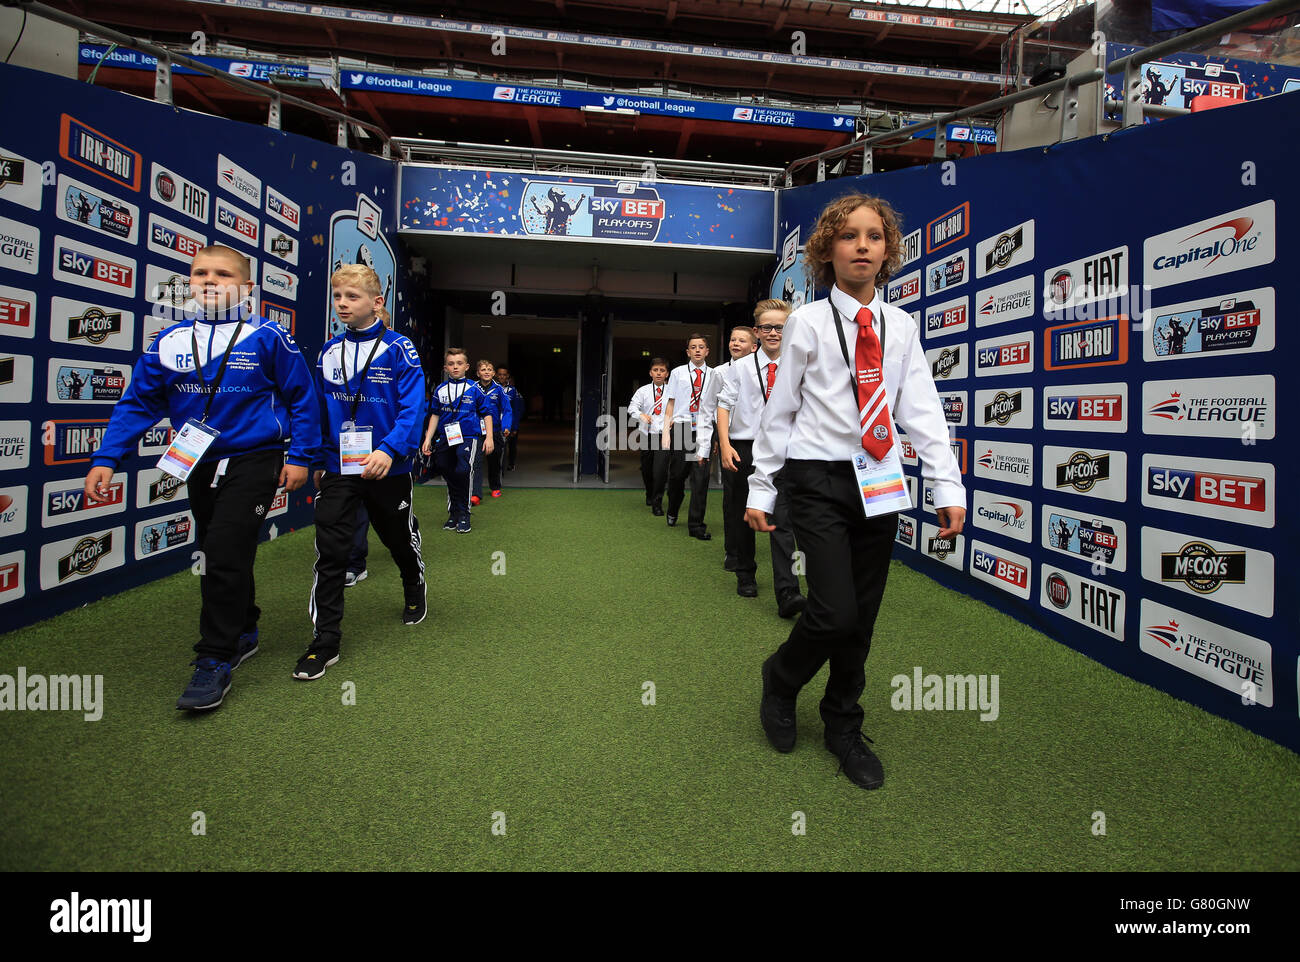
643 402
813 411
742 394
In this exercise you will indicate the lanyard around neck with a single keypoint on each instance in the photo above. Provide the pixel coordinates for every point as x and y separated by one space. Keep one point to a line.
343 363
762 382
844 348
210 389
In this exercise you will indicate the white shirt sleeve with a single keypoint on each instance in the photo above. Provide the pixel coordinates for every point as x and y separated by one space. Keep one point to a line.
729 391
773 439
920 413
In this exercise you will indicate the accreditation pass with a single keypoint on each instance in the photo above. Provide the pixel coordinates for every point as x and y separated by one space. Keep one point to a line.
354 448
881 483
187 449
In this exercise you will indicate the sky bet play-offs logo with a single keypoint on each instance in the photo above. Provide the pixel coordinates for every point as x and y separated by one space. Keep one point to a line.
77 381
1210 327
73 559
1217 245
163 534
96 210
1086 407
1091 472
1212 407
1090 537
1003 514
1001 568
63 502
93 267
1090 603
949 273
1009 248
1226 573
954 407
17 309
87 324
906 534
1240 491
1009 354
1004 461
1234 661
88 148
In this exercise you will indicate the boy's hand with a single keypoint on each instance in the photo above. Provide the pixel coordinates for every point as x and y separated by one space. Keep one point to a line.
645 417
758 520
376 466
951 521
97 480
730 458
315 478
427 448
487 444
293 476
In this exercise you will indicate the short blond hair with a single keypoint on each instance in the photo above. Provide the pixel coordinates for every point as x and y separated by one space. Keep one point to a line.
222 250
771 304
363 278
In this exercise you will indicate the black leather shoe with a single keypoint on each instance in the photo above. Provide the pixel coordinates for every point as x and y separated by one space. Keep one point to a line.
776 714
747 587
672 520
790 604
702 534
856 760
728 563
657 511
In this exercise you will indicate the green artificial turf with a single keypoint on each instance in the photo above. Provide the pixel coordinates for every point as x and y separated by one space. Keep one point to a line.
521 694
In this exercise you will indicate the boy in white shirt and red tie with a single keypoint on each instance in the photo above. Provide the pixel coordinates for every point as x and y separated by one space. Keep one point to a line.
743 343
648 403
850 365
684 417
745 390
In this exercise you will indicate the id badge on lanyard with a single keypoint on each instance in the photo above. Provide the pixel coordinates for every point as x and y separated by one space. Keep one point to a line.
187 449
354 448
454 435
881 483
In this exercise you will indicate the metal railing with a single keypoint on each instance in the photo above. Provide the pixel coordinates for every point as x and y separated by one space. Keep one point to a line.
1133 107
163 75
538 160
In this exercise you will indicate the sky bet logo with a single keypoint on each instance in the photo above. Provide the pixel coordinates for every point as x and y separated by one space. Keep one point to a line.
1003 355
70 500
1237 492
232 222
1101 407
1009 573
172 240
118 277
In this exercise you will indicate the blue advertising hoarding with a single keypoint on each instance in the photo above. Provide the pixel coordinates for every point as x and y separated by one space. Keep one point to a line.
564 207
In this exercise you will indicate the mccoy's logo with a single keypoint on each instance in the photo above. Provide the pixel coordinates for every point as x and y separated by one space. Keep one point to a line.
941 547
1082 471
95 325
1002 408
85 556
86 147
11 170
1202 568
948 359
1004 248
164 489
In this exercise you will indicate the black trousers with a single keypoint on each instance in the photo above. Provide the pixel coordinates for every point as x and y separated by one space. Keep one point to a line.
847 557
388 502
455 462
651 477
741 537
512 450
229 509
684 461
360 543
492 464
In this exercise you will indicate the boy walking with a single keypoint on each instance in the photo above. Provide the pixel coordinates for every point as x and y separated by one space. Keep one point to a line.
647 406
850 365
502 421
743 342
454 435
371 389
684 417
236 388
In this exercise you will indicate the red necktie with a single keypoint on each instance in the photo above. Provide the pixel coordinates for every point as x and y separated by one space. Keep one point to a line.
659 407
771 378
696 382
873 405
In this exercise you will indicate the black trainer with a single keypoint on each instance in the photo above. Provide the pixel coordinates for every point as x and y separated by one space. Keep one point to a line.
856 760
790 604
672 520
313 664
449 524
414 610
776 714
656 510
702 534
729 563
746 587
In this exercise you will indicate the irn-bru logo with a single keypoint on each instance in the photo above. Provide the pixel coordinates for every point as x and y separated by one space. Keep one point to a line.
1000 568
87 147
1207 487
1086 344
71 442
952 226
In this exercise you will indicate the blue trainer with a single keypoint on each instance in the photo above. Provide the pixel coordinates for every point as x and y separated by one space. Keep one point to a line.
246 648
208 687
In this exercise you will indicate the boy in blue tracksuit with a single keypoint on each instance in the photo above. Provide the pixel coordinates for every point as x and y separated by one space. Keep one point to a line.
503 421
515 400
370 386
236 389
461 421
